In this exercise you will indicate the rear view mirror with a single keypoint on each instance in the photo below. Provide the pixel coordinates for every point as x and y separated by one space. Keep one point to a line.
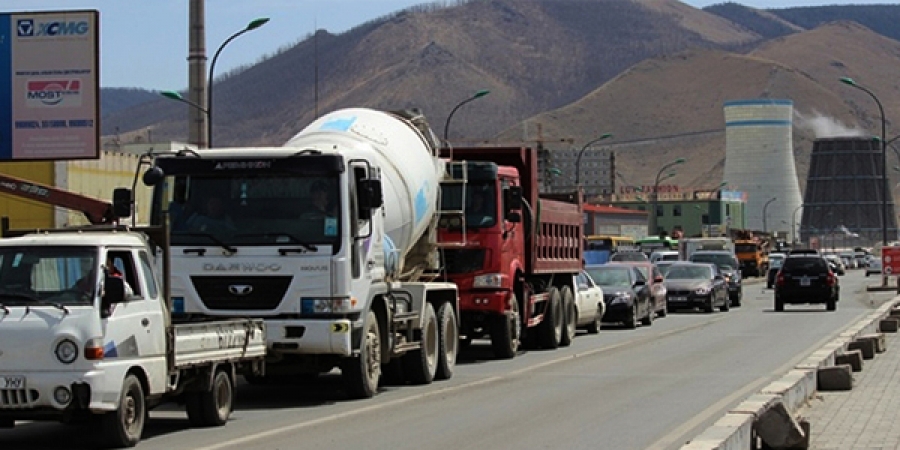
512 197
122 202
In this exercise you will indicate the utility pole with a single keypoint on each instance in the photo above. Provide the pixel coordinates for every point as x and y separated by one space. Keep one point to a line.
197 118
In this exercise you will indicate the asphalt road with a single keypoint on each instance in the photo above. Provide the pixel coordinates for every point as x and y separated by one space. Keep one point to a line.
650 388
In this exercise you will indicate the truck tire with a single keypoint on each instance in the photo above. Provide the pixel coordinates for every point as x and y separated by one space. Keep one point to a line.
831 304
779 304
420 365
448 344
124 426
506 332
550 330
362 373
211 408
571 317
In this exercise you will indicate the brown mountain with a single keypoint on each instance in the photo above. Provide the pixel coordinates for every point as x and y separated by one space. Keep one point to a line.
653 72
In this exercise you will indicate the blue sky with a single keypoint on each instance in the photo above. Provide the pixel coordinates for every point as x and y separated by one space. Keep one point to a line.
144 43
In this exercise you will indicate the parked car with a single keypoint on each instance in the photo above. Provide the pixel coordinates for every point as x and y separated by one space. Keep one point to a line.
654 279
729 266
806 279
589 302
629 256
625 293
775 262
696 285
873 267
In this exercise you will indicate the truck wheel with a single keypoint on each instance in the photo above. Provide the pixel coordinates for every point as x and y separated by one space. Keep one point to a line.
420 365
211 408
571 317
779 304
551 328
448 345
831 305
506 331
124 426
361 374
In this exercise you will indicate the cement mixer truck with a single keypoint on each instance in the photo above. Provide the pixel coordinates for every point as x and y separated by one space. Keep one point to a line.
329 238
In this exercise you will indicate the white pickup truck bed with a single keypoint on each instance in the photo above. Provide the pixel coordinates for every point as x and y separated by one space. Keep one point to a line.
230 340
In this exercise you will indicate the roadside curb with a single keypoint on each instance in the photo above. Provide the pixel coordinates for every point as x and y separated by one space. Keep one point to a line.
735 430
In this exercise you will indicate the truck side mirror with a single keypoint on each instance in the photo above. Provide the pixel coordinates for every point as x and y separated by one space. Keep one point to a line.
513 217
369 196
512 197
122 203
153 176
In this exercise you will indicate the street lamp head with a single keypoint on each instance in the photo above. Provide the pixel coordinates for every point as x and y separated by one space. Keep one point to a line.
848 81
256 23
680 161
172 95
474 96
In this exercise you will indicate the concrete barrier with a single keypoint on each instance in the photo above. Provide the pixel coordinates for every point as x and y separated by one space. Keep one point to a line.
792 391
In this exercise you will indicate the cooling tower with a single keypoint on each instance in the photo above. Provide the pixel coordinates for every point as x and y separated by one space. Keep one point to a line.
759 160
843 196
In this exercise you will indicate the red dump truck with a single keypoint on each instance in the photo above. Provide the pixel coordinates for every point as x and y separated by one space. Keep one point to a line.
512 251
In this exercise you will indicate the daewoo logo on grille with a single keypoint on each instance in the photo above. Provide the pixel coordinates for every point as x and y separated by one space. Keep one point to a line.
237 267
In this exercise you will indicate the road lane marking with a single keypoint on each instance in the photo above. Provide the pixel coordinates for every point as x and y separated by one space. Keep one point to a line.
445 390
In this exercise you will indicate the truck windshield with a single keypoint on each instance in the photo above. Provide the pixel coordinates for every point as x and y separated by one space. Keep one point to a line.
745 248
270 209
480 203
55 275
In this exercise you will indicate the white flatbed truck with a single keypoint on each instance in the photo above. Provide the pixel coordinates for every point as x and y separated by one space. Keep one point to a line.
79 345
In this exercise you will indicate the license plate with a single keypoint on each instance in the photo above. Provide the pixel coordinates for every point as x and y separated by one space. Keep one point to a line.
12 382
677 299
804 281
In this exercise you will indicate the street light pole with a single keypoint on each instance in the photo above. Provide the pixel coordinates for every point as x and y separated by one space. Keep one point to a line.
884 180
765 207
794 224
578 159
652 229
254 24
474 96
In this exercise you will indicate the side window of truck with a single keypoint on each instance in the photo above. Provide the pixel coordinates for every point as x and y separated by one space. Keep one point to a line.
121 263
147 269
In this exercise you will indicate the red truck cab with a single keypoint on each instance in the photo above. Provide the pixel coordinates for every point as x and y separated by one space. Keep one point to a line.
511 251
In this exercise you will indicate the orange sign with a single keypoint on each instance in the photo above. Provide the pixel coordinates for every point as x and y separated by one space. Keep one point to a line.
890 260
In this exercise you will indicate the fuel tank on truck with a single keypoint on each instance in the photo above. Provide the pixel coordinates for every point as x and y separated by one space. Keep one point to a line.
405 149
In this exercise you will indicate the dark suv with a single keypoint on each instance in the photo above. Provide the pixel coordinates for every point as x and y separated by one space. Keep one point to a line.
805 279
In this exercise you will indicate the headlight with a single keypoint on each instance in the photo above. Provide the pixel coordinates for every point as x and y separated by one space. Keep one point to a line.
621 297
326 305
702 291
66 351
490 280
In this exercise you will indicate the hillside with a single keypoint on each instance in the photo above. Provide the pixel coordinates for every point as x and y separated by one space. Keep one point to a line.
655 73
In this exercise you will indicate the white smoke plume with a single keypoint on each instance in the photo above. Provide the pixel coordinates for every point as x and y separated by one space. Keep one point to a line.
825 127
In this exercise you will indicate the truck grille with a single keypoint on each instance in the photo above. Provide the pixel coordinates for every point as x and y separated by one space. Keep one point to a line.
18 398
463 261
242 293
